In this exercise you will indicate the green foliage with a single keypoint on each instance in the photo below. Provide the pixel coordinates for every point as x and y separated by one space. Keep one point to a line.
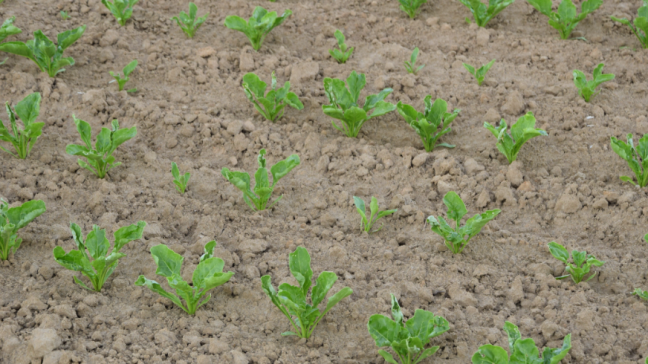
258 26
100 159
458 237
343 54
411 7
272 104
122 10
23 139
407 339
14 219
258 200
640 28
565 19
640 293
480 73
432 124
482 13
96 244
523 130
583 262
344 104
8 29
189 23
42 51
587 89
367 224
410 66
121 81
180 181
207 275
64 15
637 158
292 300
523 351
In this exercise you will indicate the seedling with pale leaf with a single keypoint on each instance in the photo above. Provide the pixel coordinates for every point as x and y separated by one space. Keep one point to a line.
23 139
583 262
565 19
587 89
180 181
272 104
91 257
64 15
367 223
482 13
640 28
432 124
343 54
407 339
457 238
189 23
410 65
411 7
479 73
207 275
122 10
121 81
293 300
258 26
523 130
637 158
14 219
640 293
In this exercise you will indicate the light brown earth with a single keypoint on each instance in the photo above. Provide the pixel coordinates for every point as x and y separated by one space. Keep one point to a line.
192 110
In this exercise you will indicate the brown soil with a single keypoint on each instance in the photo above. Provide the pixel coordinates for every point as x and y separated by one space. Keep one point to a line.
192 110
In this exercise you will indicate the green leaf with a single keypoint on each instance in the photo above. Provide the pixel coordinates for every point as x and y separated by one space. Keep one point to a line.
525 351
324 284
74 260
299 262
489 354
559 252
282 168
383 330
28 108
127 234
22 215
97 243
155 287
207 269
387 356
168 262
397 315
553 356
456 207
513 334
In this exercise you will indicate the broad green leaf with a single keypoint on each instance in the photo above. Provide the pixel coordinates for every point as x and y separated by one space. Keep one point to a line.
25 213
427 353
387 356
97 243
333 300
383 330
168 262
207 269
559 252
300 267
282 168
74 260
254 84
382 108
456 207
216 280
324 284
122 135
525 352
29 108
155 287
489 354
127 234
553 356
513 334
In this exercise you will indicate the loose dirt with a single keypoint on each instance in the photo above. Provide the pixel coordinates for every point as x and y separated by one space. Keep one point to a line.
191 109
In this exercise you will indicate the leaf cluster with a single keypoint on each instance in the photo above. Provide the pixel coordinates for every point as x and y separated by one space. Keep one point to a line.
8 29
411 7
188 22
410 66
587 89
457 238
565 19
583 262
272 104
407 339
344 104
640 293
91 257
207 275
64 15
292 300
482 13
99 159
523 351
23 139
258 199
180 181
367 223
636 156
121 81
14 219
523 130
258 26
640 28
122 10
42 51
432 124
341 55
479 73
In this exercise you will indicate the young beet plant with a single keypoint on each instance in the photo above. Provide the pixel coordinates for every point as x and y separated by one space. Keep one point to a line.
207 275
341 55
523 351
272 104
430 125
23 139
479 73
96 245
407 339
367 223
640 28
180 181
14 219
565 19
8 29
637 158
64 15
344 104
292 300
523 130
583 262
457 238
482 13
121 81
100 159
122 10
258 26
587 89
42 51
189 23
640 293
411 7
258 200
410 66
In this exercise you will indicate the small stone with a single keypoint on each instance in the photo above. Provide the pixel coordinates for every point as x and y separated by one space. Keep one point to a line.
482 37
492 116
235 127
472 167
526 186
206 52
239 357
43 341
65 311
514 104
248 126
460 296
109 38
165 337
304 71
246 62
516 292
600 204
568 204
217 346
420 159
514 175
253 246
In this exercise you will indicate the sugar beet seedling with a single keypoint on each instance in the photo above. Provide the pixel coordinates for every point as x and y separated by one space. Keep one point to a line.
521 132
565 19
637 158
23 139
479 73
258 26
122 10
121 81
640 24
410 66
272 104
430 125
583 262
587 89
14 219
189 23
341 55
367 222
482 13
